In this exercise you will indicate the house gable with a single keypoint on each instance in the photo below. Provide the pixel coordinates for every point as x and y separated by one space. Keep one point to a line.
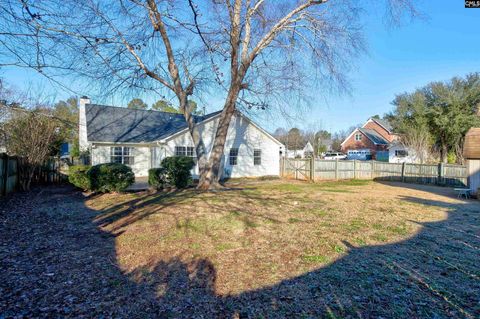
369 139
351 143
381 127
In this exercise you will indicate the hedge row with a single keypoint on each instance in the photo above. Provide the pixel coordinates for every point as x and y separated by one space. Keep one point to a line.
109 177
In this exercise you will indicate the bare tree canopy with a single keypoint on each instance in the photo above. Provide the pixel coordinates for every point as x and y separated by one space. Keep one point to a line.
254 53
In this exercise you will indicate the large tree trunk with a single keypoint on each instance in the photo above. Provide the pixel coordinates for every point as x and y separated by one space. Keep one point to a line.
443 153
210 174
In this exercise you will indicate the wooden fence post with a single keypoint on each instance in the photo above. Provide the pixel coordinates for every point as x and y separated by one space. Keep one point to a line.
441 173
373 169
336 168
403 171
354 169
5 175
312 169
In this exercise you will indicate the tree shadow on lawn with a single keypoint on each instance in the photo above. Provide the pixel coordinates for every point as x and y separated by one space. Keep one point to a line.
59 264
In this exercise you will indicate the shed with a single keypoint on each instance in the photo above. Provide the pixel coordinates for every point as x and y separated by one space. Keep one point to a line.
471 153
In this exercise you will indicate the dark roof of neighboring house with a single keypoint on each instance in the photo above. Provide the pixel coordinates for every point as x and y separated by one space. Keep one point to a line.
385 123
374 136
119 124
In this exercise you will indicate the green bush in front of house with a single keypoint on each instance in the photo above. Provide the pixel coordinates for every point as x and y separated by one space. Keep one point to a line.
177 170
157 177
110 177
77 175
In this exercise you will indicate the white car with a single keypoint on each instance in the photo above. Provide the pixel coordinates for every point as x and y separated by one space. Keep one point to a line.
334 156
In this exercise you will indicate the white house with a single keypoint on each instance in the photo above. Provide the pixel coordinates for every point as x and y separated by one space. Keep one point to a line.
306 151
141 139
398 153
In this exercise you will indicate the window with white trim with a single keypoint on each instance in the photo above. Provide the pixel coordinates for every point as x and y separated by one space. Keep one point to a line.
185 151
257 157
122 155
233 156
358 137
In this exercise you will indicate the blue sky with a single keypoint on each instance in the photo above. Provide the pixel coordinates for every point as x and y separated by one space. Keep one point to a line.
445 44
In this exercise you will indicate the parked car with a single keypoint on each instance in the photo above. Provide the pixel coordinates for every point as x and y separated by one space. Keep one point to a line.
334 156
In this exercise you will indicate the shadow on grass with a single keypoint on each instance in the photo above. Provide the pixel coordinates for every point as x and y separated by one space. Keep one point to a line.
58 263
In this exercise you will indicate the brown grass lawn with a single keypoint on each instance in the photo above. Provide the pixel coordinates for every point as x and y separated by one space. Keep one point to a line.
262 249
278 248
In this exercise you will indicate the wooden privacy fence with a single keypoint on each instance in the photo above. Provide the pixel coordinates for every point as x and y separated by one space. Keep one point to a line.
11 168
316 169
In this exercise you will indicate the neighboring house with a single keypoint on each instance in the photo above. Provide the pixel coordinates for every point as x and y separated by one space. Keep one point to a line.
306 151
397 153
376 137
141 139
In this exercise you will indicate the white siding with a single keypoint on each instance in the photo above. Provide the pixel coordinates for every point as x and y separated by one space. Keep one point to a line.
242 134
101 154
410 158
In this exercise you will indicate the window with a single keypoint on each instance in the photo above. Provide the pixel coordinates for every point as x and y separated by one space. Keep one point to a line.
358 137
233 158
257 157
122 155
401 153
184 151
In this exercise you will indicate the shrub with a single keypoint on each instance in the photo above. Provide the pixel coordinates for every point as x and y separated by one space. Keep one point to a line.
451 157
77 175
177 170
157 177
110 177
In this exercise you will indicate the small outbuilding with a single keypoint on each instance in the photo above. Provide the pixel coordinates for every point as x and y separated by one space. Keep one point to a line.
471 153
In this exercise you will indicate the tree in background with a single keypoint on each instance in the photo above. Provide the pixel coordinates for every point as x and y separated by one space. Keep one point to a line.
31 135
295 139
438 115
66 112
164 106
137 104
323 141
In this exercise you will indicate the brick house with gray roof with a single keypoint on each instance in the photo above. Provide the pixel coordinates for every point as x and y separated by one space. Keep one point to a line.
375 135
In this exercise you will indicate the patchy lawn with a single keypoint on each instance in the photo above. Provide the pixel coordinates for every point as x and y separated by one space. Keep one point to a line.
261 249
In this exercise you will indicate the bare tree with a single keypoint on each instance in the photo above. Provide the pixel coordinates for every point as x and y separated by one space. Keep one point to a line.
418 140
30 135
258 53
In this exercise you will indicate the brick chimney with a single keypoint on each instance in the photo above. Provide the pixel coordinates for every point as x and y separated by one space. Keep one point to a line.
82 124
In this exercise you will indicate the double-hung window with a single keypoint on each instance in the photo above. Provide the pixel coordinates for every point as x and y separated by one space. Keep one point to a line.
185 151
257 157
358 137
233 158
122 155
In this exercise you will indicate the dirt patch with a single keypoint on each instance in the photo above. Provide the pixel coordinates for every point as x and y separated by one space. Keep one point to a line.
261 249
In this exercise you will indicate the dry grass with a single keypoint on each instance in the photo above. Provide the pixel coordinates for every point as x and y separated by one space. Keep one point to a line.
373 249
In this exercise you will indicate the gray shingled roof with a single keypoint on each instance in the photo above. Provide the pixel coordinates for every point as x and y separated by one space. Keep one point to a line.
385 123
374 136
119 124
